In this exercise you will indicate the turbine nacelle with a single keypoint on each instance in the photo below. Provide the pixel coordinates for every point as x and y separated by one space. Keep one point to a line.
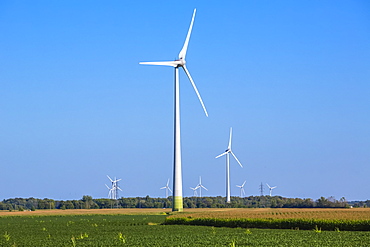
181 62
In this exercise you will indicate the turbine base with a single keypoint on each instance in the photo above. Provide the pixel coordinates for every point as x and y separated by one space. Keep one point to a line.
177 204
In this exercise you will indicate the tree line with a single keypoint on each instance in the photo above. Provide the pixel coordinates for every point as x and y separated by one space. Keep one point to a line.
87 202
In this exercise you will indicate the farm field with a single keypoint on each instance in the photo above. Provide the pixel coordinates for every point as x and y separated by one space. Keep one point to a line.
279 213
147 211
145 230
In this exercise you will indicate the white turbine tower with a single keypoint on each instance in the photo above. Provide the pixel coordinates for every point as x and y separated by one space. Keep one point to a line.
177 204
113 192
167 188
200 186
227 153
271 188
242 192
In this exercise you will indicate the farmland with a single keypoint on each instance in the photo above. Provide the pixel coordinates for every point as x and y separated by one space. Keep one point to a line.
280 213
304 219
133 227
128 211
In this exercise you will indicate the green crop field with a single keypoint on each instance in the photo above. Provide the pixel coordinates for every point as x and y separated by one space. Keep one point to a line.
285 218
146 230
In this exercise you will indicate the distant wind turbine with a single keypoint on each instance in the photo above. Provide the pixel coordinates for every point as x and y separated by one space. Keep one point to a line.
167 188
194 190
227 152
200 186
242 192
110 191
113 191
271 188
177 204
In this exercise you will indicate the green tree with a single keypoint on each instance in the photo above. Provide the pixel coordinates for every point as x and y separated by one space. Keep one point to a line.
88 201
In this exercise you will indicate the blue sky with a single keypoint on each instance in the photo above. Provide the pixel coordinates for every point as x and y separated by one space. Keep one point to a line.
290 77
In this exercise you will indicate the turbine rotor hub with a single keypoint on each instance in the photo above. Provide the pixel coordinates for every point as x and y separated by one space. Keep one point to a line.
180 62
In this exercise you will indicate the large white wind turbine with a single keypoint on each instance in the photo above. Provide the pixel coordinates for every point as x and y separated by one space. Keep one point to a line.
242 192
227 153
270 188
167 188
200 186
177 204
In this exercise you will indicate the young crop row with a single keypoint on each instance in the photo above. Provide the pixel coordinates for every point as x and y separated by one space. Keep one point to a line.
303 224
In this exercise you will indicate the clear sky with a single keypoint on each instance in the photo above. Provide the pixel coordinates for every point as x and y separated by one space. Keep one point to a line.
291 77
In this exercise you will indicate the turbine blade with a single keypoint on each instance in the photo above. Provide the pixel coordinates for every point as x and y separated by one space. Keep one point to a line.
182 53
231 133
110 178
166 63
195 89
119 188
163 188
244 183
204 187
169 189
236 159
107 187
221 155
268 185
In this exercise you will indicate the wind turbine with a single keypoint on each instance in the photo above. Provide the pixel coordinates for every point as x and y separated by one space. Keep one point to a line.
227 153
271 188
110 191
177 204
167 188
114 190
200 186
242 192
194 190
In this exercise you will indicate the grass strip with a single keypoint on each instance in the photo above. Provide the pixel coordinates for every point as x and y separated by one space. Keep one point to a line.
303 224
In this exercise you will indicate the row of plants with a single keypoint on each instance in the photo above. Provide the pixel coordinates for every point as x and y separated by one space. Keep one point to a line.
303 224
